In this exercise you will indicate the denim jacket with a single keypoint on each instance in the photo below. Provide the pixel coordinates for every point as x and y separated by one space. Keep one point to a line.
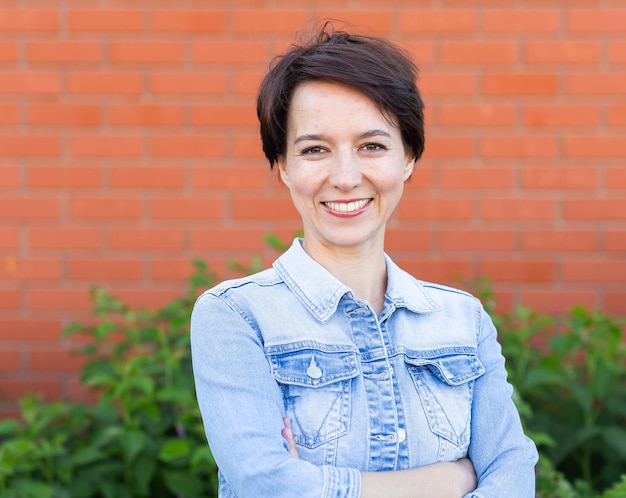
423 382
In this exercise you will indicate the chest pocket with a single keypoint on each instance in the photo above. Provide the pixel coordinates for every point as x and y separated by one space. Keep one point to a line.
445 384
316 385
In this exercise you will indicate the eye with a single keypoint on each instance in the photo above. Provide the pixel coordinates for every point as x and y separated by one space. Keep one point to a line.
373 147
316 149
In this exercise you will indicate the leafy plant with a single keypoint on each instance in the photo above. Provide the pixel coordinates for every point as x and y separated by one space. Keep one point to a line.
143 437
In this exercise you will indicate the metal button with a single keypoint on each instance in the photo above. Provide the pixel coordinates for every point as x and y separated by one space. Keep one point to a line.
313 370
401 435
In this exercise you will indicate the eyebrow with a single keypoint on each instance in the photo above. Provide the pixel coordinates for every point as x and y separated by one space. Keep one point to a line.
365 134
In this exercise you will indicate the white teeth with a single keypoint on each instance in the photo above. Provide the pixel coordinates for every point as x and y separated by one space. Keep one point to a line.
347 207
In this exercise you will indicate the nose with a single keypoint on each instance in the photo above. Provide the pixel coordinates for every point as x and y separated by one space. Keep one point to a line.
345 171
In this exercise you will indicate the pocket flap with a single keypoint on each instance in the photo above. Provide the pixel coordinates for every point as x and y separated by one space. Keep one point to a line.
451 367
310 367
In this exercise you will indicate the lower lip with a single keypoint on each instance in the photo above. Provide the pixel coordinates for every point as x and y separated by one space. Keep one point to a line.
350 214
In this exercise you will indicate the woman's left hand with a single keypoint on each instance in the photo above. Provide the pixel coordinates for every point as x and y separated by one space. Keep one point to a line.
287 433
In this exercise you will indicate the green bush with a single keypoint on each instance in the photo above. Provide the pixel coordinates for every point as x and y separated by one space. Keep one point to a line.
144 436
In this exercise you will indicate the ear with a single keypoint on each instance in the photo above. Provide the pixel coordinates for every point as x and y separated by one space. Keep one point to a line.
282 170
408 167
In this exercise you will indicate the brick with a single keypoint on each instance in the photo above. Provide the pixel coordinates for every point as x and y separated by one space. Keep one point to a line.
616 115
64 177
596 83
151 239
268 20
105 208
520 84
10 176
617 52
29 145
105 145
615 240
102 269
422 52
449 147
8 51
597 20
594 270
362 20
476 240
48 388
561 115
105 20
29 208
557 301
55 360
188 83
408 239
10 359
176 269
517 209
147 177
615 303
247 146
589 146
30 329
147 298
446 84
521 20
186 208
560 177
228 239
608 209
10 299
224 115
555 240
65 238
562 52
263 208
615 177
22 20
45 113
147 52
9 237
477 115
513 270
246 83
58 299
460 208
9 114
229 177
31 269
434 21
478 52
104 83
421 179
480 178
201 21
515 146
30 83
146 115
445 270
229 52
186 146
64 51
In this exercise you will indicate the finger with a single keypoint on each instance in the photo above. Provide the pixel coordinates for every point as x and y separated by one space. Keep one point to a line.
287 433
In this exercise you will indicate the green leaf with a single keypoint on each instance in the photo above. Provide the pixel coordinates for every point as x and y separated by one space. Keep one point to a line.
182 483
133 442
9 427
175 449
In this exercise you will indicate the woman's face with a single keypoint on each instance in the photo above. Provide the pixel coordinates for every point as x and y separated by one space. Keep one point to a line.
345 165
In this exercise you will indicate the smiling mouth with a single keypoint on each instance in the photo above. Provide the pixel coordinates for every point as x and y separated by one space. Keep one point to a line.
347 207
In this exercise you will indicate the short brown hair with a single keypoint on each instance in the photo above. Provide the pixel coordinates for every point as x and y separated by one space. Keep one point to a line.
374 66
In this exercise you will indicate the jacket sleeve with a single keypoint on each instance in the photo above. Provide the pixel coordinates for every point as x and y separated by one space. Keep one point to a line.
503 457
242 410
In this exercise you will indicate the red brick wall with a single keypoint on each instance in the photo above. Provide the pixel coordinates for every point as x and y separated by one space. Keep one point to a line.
128 147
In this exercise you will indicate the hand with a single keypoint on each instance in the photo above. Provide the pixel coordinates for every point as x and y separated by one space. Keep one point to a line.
287 433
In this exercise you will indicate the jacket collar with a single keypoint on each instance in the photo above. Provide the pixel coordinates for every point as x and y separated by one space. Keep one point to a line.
320 292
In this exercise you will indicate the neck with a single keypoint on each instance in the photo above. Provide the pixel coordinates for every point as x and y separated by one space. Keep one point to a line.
363 270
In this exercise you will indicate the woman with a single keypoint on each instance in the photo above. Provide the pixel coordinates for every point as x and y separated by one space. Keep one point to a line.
387 386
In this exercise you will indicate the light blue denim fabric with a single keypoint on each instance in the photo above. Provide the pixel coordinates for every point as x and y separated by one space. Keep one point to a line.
423 382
